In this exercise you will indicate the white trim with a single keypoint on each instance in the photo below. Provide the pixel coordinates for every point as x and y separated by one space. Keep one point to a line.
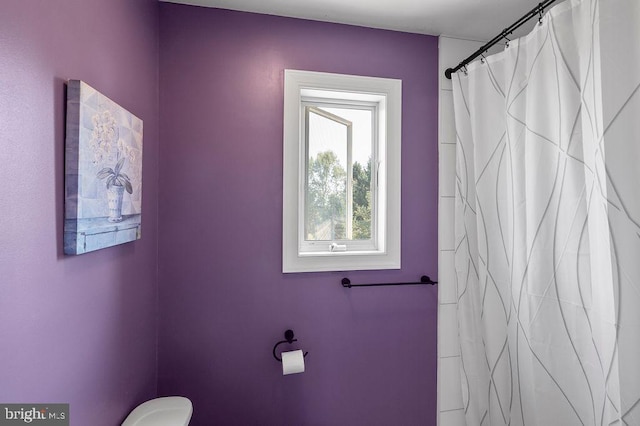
388 94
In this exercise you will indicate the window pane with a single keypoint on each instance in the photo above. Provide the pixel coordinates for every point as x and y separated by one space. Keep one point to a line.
362 145
326 191
338 196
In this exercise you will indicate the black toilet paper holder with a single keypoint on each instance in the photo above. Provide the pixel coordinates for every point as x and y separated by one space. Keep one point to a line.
288 336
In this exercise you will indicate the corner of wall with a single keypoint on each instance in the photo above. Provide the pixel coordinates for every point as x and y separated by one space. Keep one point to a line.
450 401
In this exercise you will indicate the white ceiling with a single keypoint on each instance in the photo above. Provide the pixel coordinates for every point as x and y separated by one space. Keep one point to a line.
472 19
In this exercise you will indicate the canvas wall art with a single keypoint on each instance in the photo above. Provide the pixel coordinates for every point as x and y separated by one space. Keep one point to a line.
103 172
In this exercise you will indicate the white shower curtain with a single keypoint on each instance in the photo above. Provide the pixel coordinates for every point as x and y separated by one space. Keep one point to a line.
547 220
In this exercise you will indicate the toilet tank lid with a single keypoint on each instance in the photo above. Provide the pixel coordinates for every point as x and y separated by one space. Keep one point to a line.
166 411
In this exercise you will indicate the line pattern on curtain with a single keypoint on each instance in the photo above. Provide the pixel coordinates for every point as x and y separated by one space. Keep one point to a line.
547 220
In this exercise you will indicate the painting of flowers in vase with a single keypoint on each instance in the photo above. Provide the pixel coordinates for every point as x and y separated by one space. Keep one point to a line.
103 172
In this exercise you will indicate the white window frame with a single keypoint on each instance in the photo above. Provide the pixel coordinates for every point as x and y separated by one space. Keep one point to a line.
385 96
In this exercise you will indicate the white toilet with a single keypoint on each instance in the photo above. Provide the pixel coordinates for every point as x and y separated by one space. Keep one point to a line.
167 411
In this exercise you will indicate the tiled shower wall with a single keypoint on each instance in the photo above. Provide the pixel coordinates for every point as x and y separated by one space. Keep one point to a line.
450 407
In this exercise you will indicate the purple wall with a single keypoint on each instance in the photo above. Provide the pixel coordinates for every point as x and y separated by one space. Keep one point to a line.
73 329
83 329
223 299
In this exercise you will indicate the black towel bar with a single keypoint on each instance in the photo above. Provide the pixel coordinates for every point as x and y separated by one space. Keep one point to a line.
346 283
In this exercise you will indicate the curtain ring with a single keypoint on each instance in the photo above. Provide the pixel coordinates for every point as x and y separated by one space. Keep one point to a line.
482 58
540 12
464 70
504 35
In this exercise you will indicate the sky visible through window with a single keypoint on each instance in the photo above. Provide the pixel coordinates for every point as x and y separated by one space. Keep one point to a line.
330 136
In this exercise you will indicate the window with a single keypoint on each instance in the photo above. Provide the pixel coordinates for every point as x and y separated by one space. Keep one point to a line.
341 172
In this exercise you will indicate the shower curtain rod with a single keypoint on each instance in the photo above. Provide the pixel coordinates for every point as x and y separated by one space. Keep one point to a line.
536 11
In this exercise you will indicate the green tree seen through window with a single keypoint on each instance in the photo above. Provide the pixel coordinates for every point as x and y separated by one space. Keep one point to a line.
326 199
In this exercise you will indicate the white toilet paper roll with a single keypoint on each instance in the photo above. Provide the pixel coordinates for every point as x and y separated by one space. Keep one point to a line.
292 362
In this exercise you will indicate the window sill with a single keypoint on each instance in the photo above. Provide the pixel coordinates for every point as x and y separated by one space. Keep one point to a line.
342 253
342 261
